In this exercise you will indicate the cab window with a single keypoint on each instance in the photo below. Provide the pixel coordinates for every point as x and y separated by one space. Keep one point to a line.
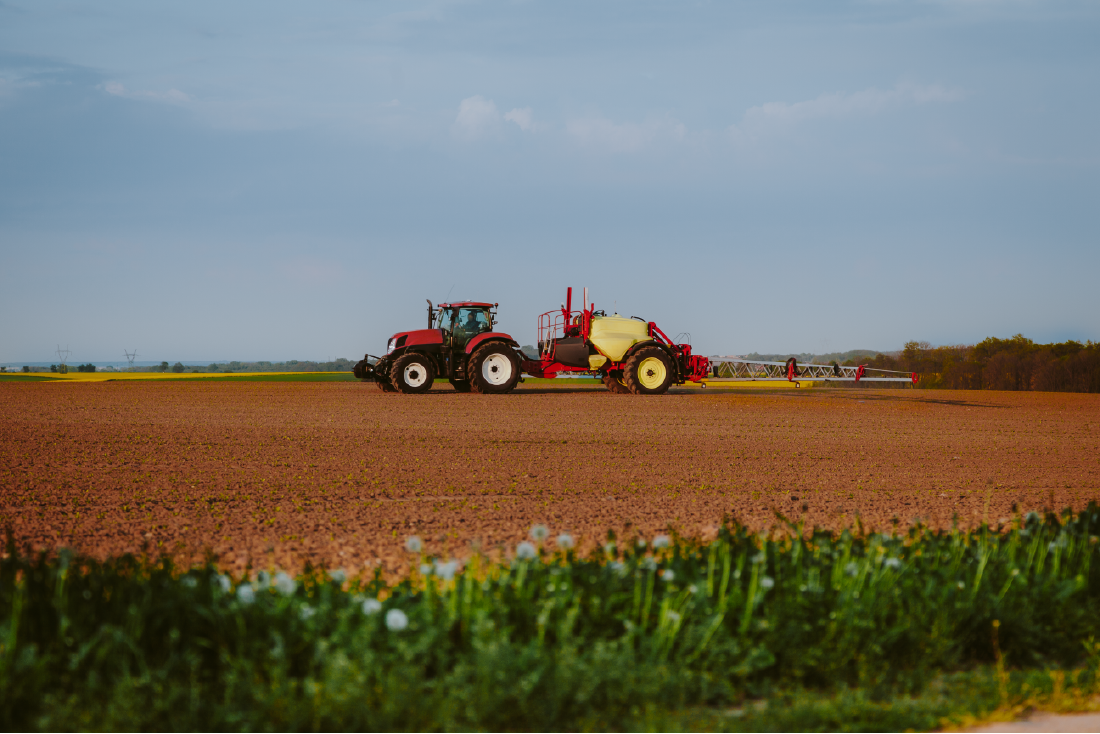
445 319
472 321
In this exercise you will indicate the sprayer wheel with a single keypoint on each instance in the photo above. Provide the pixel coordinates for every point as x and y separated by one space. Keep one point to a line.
613 381
648 372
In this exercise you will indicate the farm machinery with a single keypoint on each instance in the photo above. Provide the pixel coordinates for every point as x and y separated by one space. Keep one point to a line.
460 344
738 369
631 355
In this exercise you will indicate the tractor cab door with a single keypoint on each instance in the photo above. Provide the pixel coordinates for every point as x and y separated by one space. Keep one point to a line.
446 321
468 323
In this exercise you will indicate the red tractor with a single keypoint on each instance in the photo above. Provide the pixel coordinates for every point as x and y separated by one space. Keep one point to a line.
459 344
631 355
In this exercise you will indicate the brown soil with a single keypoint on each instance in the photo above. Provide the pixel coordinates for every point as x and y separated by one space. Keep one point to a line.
339 473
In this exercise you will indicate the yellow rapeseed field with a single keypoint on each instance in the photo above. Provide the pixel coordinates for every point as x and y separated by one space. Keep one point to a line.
111 376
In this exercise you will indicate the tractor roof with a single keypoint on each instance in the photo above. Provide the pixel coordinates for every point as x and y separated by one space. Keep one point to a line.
467 303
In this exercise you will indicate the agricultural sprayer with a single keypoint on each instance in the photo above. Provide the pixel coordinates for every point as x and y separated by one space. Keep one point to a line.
630 355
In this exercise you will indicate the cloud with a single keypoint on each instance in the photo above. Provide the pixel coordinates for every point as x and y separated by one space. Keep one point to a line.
872 101
524 117
626 137
8 85
476 117
173 96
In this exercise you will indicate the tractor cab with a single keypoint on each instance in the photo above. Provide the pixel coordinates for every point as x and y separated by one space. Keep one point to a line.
461 322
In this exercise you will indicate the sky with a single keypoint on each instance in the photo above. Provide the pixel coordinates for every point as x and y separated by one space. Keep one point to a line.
276 180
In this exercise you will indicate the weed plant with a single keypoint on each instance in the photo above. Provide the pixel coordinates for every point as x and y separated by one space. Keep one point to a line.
673 633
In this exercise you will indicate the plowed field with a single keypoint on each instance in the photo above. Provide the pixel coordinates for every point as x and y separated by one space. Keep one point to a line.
339 473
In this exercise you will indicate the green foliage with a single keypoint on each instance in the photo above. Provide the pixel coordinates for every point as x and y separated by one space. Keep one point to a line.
178 367
1000 364
85 367
631 637
1017 363
291 365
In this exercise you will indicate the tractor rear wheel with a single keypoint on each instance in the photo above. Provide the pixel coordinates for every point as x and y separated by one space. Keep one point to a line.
648 371
412 373
493 368
613 381
460 385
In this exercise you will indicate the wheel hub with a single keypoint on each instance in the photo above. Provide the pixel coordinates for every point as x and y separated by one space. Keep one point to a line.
496 369
651 373
415 375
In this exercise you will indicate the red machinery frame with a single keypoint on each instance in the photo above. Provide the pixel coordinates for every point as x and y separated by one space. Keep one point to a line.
565 322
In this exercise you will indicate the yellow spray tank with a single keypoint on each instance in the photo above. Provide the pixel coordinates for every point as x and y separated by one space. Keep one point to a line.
614 335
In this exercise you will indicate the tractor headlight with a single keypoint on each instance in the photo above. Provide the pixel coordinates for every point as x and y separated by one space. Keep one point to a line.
389 346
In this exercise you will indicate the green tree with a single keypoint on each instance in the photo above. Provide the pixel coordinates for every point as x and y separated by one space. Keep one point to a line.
178 367
162 367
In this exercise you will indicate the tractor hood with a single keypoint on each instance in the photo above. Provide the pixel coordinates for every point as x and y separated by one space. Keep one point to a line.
412 338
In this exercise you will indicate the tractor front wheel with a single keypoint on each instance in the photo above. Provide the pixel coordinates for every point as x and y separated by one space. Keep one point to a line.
613 381
493 368
412 373
648 371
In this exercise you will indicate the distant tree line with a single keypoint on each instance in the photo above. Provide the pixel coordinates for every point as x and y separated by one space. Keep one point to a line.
291 365
998 364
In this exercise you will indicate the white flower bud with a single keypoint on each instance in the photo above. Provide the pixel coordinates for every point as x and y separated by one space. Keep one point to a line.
396 620
245 594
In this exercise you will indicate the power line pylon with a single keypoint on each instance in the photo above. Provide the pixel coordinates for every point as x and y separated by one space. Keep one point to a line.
130 358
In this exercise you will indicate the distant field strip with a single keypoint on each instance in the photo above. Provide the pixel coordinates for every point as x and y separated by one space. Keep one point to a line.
186 376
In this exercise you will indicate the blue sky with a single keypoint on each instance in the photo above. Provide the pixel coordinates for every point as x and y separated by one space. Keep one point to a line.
274 180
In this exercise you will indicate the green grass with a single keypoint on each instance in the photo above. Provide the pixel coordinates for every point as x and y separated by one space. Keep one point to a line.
23 377
784 630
